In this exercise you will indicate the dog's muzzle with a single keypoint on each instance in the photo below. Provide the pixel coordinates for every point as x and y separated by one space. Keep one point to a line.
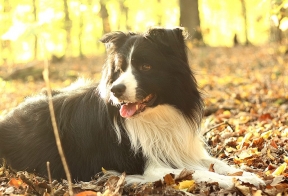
129 109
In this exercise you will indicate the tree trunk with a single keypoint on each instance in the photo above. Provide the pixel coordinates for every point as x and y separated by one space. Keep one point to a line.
67 24
244 14
124 12
189 18
6 48
36 38
159 15
105 17
81 55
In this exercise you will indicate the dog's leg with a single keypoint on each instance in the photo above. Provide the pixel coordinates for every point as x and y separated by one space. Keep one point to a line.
152 175
219 166
227 172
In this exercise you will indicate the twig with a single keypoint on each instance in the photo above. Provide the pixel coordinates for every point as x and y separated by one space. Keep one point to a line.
229 125
220 151
55 128
49 177
218 125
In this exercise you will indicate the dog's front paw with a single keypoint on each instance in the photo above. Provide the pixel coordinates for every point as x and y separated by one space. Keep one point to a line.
225 181
251 178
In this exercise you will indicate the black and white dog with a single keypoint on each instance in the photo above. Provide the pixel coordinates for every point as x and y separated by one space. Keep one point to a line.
143 118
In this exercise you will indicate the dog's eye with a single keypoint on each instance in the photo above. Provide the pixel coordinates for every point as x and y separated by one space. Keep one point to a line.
145 67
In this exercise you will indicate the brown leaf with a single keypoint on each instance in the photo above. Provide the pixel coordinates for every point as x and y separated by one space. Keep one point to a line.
184 175
168 179
257 142
265 117
273 143
211 168
239 173
276 180
17 183
86 193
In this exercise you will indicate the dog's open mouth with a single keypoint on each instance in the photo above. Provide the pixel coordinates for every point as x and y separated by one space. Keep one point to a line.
130 109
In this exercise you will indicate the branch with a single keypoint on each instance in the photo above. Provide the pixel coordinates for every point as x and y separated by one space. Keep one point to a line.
55 127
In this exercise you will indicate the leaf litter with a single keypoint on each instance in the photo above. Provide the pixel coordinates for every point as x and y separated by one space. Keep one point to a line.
246 124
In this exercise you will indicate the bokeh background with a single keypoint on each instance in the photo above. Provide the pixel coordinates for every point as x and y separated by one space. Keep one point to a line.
38 29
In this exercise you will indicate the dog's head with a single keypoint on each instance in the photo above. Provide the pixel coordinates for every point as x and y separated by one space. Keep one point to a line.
149 69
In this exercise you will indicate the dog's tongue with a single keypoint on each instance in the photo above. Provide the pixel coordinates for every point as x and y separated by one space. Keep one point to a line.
128 110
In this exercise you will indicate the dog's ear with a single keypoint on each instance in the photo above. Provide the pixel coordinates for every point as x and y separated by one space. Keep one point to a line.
166 37
169 40
115 39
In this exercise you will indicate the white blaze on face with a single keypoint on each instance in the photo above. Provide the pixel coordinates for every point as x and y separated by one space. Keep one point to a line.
128 79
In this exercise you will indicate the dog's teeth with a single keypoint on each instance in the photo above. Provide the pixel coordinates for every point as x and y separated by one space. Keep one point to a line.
137 106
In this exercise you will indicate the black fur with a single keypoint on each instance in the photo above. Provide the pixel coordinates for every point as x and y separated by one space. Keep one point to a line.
88 138
85 120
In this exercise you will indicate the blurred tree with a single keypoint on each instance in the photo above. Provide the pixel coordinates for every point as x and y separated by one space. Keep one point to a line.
159 14
105 17
67 24
189 18
244 14
35 35
81 24
6 44
279 13
124 10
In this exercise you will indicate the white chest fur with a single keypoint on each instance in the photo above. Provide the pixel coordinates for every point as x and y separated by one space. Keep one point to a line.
166 137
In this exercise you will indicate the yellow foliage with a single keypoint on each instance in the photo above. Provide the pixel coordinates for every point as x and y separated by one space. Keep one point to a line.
280 170
187 184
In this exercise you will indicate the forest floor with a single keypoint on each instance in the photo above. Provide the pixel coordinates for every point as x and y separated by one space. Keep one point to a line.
246 121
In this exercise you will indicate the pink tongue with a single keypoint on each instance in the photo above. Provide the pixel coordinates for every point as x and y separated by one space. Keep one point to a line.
128 110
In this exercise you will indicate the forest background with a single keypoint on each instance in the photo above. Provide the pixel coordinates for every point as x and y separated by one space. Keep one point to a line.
34 29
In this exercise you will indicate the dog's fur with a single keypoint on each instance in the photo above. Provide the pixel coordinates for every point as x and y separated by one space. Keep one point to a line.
143 118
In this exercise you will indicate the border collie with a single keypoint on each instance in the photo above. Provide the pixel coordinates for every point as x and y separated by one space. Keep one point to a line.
143 118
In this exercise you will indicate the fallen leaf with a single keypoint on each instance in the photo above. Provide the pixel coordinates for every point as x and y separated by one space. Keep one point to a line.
239 173
16 182
278 171
265 117
273 143
276 180
87 193
184 175
266 134
211 168
168 179
186 184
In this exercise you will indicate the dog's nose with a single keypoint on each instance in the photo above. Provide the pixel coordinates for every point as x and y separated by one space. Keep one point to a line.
118 90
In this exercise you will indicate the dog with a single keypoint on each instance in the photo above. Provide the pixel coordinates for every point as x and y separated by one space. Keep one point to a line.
143 118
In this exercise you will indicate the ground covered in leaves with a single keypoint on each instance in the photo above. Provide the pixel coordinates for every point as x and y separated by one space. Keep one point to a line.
246 123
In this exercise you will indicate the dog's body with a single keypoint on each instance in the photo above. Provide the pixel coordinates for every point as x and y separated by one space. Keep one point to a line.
155 132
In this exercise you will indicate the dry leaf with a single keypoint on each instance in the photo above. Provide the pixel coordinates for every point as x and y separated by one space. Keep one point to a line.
186 184
239 173
184 175
87 193
276 180
16 182
278 171
168 179
211 168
